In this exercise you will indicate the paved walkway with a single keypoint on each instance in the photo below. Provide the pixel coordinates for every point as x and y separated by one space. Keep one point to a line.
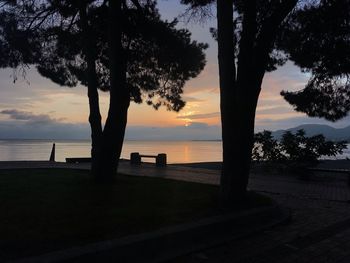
318 232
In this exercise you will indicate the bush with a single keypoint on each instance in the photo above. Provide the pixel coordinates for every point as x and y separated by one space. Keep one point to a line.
294 147
266 148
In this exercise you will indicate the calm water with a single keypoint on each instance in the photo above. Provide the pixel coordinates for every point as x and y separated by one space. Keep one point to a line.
177 151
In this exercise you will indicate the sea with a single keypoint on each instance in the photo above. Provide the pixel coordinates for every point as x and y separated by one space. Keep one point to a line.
177 151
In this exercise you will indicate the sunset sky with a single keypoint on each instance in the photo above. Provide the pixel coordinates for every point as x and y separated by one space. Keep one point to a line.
36 108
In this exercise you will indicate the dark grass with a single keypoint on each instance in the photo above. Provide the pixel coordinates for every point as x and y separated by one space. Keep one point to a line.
43 210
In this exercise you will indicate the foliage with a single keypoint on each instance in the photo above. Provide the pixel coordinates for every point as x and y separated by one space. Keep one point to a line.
266 148
159 57
323 36
265 17
294 147
327 98
315 35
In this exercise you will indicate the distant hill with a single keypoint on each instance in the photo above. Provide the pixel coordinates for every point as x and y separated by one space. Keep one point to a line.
329 132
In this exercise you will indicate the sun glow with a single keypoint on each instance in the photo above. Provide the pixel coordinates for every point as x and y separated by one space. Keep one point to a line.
188 123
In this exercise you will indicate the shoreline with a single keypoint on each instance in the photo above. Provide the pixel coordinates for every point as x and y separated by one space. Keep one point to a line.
326 164
215 166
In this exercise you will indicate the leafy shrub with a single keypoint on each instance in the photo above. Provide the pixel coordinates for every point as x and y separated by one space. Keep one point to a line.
266 148
294 147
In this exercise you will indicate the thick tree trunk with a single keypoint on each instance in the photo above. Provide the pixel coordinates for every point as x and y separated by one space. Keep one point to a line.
238 99
114 130
113 137
238 129
237 144
227 73
94 107
242 138
240 88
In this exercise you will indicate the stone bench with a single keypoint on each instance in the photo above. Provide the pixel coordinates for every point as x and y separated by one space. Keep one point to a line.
135 158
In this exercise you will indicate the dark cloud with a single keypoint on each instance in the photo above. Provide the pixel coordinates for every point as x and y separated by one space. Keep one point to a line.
27 125
18 130
17 115
29 117
200 116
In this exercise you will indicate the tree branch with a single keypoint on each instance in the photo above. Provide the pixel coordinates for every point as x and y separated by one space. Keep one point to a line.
72 21
137 4
49 11
268 31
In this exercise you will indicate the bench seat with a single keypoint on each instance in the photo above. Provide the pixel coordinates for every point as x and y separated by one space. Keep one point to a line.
135 158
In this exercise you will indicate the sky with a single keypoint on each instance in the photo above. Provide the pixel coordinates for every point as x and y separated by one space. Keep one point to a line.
34 107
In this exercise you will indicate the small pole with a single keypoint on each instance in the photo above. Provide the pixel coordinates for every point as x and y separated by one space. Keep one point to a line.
52 155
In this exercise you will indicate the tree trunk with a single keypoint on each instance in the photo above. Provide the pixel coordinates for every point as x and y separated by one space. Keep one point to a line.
114 130
113 137
94 107
240 89
94 118
239 92
237 144
227 73
238 161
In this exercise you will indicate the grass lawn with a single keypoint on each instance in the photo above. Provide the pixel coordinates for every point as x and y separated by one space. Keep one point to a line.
43 210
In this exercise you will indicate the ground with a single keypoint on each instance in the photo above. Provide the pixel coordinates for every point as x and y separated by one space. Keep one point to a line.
319 230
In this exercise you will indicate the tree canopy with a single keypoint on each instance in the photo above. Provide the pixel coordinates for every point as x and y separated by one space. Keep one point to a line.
317 39
160 58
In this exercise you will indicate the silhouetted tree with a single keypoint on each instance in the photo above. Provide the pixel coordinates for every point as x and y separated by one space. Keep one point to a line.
251 35
131 53
300 148
324 37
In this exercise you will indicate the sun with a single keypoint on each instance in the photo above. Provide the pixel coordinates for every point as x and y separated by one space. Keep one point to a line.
185 117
